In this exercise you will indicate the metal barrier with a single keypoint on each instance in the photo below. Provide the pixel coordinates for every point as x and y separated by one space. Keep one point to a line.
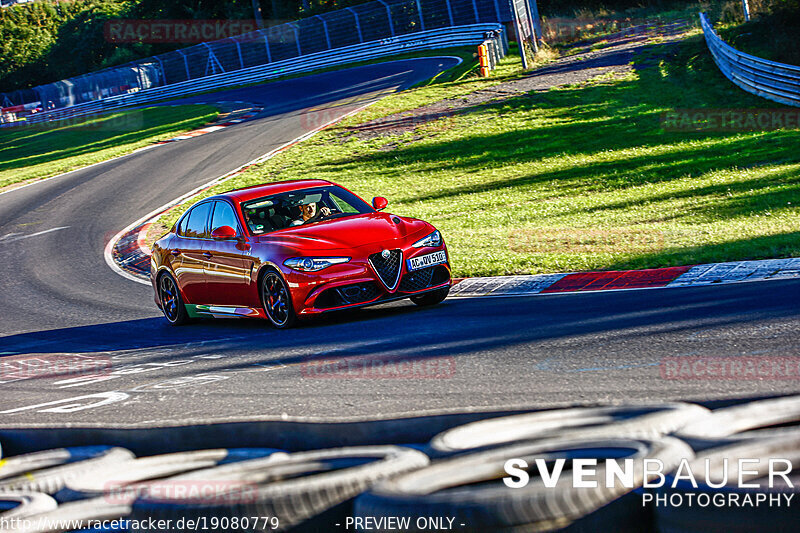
774 81
469 35
364 23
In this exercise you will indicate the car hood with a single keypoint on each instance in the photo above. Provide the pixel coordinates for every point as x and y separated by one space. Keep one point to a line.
348 233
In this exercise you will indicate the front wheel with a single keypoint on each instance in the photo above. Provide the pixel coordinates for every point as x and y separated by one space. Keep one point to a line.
171 302
277 301
431 298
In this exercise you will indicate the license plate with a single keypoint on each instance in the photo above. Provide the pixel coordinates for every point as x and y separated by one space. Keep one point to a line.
422 261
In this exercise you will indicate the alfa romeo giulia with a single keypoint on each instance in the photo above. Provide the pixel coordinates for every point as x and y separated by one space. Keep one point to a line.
294 249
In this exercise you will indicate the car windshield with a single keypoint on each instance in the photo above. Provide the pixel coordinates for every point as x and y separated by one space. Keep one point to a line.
301 207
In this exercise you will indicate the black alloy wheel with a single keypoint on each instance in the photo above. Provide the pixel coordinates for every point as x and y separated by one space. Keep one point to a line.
277 301
171 301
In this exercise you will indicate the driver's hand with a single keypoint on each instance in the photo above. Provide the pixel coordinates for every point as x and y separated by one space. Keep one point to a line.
325 211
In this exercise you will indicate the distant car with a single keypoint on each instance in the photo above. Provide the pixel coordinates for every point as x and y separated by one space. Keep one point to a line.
294 249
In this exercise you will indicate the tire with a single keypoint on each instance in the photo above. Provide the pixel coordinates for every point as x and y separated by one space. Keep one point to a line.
24 504
277 300
29 462
468 488
171 301
60 519
297 489
647 421
431 298
747 421
684 518
114 477
51 480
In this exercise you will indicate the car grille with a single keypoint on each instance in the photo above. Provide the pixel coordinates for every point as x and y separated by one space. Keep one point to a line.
416 281
358 293
388 269
422 279
347 295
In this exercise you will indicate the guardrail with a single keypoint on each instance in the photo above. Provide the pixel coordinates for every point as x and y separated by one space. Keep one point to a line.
774 81
472 34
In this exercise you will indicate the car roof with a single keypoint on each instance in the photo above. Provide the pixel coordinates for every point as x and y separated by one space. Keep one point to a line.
258 191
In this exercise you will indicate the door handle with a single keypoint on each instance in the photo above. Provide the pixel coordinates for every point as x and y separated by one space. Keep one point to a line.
207 255
175 252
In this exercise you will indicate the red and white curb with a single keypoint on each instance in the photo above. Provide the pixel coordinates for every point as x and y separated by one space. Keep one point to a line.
671 277
251 112
241 115
128 254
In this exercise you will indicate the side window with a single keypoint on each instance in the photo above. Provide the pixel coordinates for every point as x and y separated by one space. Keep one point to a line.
224 216
198 216
182 226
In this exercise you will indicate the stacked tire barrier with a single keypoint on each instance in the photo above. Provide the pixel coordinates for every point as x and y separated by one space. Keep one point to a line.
778 82
459 480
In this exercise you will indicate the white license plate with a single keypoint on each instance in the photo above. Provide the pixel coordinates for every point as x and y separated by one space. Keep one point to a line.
422 261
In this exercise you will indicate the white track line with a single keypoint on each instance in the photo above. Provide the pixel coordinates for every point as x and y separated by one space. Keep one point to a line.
37 182
14 237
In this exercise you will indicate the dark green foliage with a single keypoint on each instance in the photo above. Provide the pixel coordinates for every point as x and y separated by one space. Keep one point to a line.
45 41
772 34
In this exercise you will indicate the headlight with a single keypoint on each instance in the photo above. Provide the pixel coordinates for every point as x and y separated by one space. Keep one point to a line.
434 239
312 264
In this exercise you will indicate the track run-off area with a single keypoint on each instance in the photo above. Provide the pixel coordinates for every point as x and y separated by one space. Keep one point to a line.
59 298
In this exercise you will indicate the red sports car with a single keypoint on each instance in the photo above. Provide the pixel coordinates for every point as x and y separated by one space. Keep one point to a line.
294 249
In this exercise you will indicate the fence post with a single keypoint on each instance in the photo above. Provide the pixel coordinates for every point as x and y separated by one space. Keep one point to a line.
296 37
497 10
532 26
163 72
358 24
419 10
388 14
518 32
266 46
185 64
212 60
325 27
533 11
239 50
450 12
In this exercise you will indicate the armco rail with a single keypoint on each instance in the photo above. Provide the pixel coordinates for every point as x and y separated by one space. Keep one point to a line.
775 81
472 34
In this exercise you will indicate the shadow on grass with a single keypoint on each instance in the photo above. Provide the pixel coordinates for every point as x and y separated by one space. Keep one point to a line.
613 132
34 145
774 246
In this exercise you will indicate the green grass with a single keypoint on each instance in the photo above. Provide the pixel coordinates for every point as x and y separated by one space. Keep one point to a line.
577 178
36 152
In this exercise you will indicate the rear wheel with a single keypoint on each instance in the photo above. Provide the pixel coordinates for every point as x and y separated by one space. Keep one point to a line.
431 298
277 301
171 301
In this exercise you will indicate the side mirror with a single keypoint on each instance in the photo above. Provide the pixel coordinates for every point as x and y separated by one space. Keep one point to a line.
379 203
223 232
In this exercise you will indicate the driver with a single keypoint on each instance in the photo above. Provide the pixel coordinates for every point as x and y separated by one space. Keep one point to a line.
310 213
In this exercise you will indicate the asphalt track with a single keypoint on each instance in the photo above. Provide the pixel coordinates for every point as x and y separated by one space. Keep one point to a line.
60 299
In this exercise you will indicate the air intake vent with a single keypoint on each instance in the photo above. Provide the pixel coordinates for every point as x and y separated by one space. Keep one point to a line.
388 268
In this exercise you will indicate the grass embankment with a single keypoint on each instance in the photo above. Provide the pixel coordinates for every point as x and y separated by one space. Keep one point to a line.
770 36
576 178
40 151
